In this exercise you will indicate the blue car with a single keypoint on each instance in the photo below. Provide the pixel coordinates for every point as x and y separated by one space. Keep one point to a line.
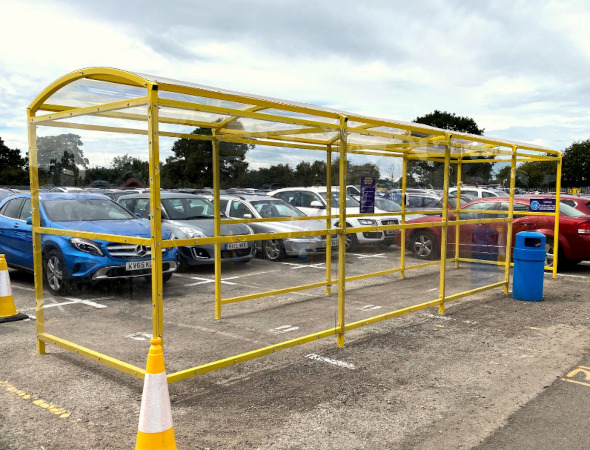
70 259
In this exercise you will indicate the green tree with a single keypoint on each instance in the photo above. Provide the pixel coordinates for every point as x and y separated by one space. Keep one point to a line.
576 164
192 163
15 170
432 173
60 159
536 174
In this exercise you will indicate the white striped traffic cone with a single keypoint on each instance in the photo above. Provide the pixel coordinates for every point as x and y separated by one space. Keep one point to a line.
7 310
155 429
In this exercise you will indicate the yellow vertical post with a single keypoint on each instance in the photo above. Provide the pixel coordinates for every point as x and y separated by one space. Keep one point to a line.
37 256
342 231
329 219
458 214
156 213
402 252
509 226
445 226
217 224
556 230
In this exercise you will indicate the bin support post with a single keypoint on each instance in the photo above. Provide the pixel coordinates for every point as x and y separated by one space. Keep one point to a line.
329 219
342 232
445 226
156 211
216 224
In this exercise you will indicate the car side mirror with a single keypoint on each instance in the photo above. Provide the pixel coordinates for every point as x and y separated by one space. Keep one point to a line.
317 204
29 221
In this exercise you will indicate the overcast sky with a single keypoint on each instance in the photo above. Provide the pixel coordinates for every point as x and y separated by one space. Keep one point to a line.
520 69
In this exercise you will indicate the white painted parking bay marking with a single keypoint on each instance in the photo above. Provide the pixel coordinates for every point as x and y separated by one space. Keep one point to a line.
334 362
283 329
369 308
140 336
73 301
361 256
302 266
209 280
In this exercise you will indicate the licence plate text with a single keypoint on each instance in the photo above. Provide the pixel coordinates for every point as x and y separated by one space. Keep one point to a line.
138 265
235 245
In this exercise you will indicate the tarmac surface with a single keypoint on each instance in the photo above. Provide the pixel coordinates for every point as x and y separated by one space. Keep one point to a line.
492 373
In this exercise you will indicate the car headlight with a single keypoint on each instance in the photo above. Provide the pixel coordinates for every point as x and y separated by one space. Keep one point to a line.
367 222
192 232
87 246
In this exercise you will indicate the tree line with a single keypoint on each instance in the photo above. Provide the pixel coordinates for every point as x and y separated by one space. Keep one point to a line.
62 162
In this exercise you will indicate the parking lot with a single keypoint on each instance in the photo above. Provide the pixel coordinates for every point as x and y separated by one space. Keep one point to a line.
417 381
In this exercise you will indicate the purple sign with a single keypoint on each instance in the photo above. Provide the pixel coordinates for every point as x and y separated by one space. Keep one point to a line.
367 195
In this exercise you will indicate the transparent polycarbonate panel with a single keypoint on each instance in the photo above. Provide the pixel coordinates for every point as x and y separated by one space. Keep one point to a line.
200 100
87 92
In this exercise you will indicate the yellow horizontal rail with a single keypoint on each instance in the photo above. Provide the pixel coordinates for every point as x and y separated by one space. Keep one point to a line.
91 354
97 236
242 298
232 360
89 110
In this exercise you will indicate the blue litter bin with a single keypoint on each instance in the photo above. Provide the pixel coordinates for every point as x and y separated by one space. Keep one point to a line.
529 266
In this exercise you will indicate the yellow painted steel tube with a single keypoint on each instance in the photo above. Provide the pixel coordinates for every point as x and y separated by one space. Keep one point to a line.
458 212
402 252
242 298
510 222
556 230
217 225
329 219
96 236
232 360
445 226
156 213
36 236
342 236
137 372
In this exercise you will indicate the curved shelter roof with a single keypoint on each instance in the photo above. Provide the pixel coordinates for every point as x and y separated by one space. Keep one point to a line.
263 120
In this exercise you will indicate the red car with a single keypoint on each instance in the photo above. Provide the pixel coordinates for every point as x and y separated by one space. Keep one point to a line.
484 241
580 203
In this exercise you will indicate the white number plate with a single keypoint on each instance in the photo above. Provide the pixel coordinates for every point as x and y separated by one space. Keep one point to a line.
235 245
389 232
334 243
138 265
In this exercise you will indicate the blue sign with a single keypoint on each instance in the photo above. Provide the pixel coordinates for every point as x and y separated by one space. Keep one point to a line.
367 195
542 204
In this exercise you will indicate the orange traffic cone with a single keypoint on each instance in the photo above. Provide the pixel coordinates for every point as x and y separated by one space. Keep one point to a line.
7 310
155 429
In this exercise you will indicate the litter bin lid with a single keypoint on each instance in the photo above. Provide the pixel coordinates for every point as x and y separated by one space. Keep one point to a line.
530 239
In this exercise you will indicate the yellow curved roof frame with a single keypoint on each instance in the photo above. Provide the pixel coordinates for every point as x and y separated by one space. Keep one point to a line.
96 73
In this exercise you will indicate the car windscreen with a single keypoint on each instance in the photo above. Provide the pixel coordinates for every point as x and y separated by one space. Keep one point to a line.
387 205
273 208
185 208
569 211
78 210
350 202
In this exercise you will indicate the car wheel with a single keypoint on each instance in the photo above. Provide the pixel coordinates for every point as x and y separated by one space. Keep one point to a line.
352 242
549 256
424 245
183 266
54 270
273 249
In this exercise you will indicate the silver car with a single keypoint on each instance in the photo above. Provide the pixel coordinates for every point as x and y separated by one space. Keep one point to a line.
265 207
189 216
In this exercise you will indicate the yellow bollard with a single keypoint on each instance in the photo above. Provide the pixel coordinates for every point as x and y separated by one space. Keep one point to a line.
7 309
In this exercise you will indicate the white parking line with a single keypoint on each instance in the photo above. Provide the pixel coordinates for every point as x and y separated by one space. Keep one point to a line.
362 256
283 329
140 336
334 362
72 301
209 280
303 266
369 308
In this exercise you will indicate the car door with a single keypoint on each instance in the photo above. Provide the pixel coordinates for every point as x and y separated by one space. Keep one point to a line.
15 234
473 237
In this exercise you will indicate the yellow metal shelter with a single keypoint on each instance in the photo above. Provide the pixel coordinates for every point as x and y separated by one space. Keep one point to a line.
121 103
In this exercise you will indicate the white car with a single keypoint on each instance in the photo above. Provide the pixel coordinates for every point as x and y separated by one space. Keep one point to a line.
479 192
312 201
